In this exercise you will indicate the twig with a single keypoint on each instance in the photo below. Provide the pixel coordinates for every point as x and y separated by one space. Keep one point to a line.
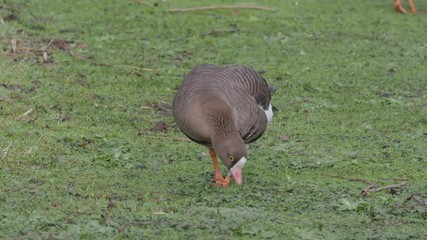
50 43
169 138
109 220
28 50
373 188
2 21
417 199
132 224
236 6
145 3
25 114
215 31
174 193
396 179
351 179
111 65
159 106
6 151
32 186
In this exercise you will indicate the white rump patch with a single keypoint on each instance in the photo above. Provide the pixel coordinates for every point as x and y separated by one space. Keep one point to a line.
269 113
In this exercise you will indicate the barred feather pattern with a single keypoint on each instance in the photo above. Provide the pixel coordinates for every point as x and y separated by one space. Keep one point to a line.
236 90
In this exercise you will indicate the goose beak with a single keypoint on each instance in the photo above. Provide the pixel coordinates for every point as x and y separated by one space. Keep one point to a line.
236 171
237 175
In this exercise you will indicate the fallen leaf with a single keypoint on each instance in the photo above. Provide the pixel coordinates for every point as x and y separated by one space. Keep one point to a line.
10 86
11 17
83 45
285 138
159 127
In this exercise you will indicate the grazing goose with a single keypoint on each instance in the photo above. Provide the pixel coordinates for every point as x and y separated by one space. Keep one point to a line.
223 108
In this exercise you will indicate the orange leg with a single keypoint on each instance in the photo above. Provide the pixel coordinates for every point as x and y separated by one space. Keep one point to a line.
398 6
412 6
220 181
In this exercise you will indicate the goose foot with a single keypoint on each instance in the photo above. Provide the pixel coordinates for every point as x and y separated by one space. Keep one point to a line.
398 6
222 182
219 179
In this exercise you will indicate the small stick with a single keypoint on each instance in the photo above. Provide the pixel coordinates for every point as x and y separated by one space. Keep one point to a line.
27 50
396 179
175 139
29 187
25 114
131 224
373 189
2 21
351 179
145 3
214 31
111 65
158 107
236 6
417 199
50 43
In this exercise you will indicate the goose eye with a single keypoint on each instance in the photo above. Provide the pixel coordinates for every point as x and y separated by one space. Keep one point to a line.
231 158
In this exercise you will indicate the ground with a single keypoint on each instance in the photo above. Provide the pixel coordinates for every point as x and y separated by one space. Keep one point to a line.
90 149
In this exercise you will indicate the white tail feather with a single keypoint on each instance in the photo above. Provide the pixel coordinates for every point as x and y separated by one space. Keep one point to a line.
269 113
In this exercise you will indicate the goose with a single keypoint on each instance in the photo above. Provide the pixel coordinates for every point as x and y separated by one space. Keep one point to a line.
224 108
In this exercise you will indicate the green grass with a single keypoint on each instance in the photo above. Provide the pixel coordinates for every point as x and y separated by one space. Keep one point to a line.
352 89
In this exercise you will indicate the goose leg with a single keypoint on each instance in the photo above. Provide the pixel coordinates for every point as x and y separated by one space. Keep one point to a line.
219 179
412 6
398 6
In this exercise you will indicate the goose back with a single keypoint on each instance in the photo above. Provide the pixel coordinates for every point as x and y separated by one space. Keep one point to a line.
238 90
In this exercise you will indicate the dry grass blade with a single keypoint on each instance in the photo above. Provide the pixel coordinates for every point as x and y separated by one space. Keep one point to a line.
6 151
25 114
236 6
50 43
1 20
45 57
13 41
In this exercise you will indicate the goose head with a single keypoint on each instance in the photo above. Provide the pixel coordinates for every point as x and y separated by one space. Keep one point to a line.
232 152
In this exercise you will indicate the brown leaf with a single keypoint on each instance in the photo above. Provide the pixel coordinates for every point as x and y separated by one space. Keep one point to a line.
11 17
159 127
285 138
11 86
83 45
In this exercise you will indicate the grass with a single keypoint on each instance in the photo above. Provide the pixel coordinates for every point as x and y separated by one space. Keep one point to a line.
85 161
